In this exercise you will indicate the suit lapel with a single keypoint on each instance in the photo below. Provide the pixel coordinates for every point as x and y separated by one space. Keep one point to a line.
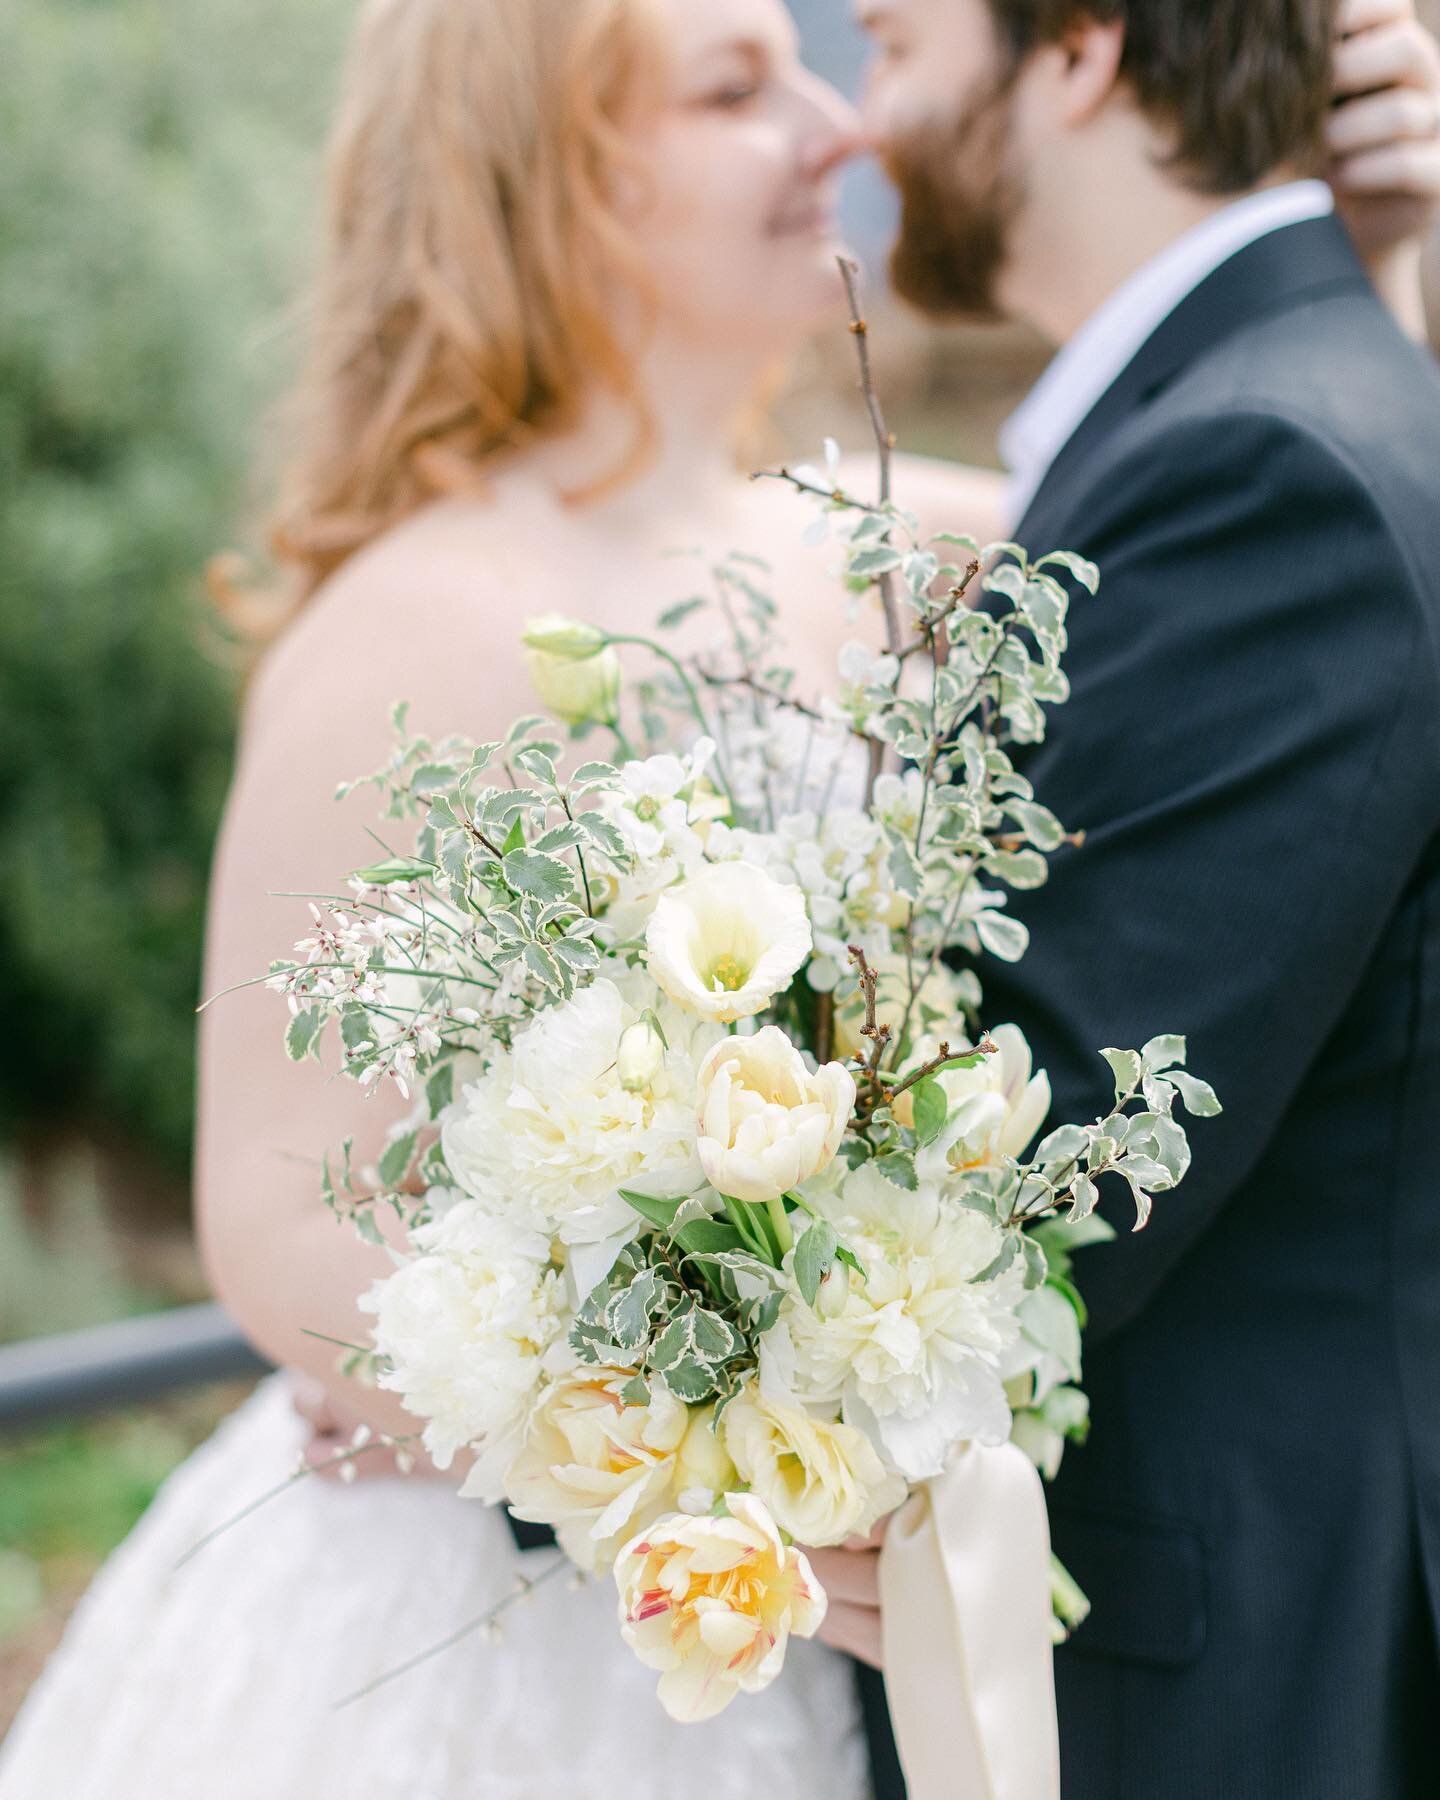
1281 270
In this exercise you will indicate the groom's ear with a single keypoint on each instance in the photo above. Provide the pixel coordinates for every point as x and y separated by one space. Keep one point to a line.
1086 61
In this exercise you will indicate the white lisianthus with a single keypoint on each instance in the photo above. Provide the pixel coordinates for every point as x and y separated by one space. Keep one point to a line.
465 1325
593 1467
573 670
914 1356
822 1480
712 1603
726 941
552 1129
766 1122
995 1109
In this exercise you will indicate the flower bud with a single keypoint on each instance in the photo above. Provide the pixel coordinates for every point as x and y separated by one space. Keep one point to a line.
834 1292
703 1469
641 1056
572 640
577 691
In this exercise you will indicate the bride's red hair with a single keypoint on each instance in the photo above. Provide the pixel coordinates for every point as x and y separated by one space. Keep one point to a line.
472 256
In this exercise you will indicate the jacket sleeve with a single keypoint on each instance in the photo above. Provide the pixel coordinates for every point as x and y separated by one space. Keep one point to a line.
1251 748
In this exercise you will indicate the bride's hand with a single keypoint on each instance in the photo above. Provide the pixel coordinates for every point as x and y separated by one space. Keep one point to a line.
1384 141
851 1578
332 1432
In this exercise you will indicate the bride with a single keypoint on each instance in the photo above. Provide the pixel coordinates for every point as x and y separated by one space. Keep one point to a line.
569 241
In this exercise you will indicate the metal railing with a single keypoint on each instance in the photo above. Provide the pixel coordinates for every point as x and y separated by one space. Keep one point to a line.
123 1364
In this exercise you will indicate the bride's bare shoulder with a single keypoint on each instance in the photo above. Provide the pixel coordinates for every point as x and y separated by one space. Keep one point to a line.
426 613
946 496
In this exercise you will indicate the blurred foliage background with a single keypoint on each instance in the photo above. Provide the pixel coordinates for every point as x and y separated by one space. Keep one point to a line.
157 195
153 192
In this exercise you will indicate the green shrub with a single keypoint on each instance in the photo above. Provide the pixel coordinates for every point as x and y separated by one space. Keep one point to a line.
154 195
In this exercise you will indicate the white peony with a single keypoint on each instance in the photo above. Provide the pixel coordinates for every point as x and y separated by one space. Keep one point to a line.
914 1355
553 1130
766 1122
822 1480
726 941
995 1109
465 1325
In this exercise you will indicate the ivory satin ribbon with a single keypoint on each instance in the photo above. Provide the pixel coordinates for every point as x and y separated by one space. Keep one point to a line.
965 1592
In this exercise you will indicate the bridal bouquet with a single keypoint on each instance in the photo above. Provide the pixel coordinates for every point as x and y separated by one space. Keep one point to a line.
724 1222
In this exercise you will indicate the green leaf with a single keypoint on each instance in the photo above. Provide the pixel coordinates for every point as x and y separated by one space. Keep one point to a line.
636 1391
396 1158
905 870
1063 1145
707 1237
1072 1294
542 877
629 1314
1084 1198
1021 869
434 775
1162 1053
515 837
932 1110
365 1227
690 1380
814 1257
1049 1320
876 562
1002 936
1084 571
660 1213
604 836
678 613
440 1088
394 870
1009 1250
1199 1097
303 1034
1038 823
559 838
1127 1069
899 1169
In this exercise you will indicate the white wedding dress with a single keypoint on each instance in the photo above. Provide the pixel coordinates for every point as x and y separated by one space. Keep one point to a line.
218 1680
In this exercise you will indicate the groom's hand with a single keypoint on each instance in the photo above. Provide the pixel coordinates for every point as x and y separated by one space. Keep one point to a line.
851 1579
1384 141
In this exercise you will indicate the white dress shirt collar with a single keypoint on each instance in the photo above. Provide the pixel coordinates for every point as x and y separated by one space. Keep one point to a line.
1110 339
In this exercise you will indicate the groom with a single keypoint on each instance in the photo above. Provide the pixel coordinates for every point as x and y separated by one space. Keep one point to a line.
1242 437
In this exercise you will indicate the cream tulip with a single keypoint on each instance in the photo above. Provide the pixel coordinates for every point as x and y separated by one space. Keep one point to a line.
767 1122
996 1109
725 942
712 1603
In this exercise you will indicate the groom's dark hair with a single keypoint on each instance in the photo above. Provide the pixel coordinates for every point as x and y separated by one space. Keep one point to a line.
1244 84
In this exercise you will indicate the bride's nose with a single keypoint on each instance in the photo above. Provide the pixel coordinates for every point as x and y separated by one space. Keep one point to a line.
830 125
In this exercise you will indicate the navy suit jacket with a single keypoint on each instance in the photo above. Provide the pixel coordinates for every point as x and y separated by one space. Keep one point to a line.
1253 750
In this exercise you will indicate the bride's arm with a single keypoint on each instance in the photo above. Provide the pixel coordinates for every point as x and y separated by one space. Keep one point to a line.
318 714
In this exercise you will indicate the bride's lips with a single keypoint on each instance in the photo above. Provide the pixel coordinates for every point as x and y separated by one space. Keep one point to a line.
815 219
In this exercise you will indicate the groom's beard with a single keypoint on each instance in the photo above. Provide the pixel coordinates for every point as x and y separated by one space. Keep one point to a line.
958 201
